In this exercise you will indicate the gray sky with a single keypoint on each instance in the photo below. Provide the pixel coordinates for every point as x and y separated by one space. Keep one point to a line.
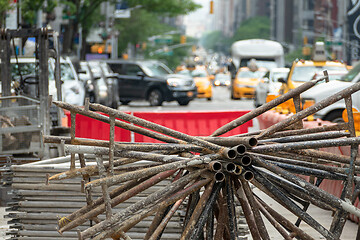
196 22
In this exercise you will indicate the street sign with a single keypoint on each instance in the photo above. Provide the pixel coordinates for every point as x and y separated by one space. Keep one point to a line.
122 13
330 43
163 40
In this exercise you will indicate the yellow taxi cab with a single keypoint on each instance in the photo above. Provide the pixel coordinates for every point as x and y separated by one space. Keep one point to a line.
203 83
246 81
303 71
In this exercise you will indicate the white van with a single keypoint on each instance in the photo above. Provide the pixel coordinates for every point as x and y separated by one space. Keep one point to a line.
323 90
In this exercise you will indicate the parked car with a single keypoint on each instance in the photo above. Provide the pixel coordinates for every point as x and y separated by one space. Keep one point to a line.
73 90
269 84
104 83
203 83
96 87
112 82
322 90
222 79
152 81
245 81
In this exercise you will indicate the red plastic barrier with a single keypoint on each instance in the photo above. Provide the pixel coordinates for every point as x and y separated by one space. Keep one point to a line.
193 123
90 128
334 187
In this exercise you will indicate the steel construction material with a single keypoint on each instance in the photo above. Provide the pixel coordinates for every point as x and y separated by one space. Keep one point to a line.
212 170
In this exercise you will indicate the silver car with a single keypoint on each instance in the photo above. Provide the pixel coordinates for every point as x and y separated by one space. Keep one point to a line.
269 84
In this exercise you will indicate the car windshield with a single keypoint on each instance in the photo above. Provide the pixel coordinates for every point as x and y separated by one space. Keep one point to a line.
153 69
351 74
266 64
66 72
95 69
222 77
250 74
23 69
278 75
184 72
305 74
198 73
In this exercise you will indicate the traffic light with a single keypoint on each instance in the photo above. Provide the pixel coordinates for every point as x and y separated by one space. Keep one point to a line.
182 39
305 41
211 7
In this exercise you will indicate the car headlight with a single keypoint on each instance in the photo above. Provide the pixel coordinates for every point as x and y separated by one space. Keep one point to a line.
217 83
227 82
173 82
103 94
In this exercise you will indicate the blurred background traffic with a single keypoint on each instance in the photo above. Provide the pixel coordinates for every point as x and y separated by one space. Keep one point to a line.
120 52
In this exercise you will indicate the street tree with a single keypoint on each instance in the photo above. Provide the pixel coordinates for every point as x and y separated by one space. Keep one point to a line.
4 7
81 12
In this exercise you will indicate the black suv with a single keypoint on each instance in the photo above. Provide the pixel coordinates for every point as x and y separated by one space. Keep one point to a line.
153 81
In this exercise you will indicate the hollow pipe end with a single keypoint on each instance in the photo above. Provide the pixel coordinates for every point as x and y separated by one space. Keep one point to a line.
230 153
248 175
240 149
219 177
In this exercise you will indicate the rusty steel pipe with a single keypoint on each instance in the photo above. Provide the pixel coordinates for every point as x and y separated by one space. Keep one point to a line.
215 166
294 208
313 165
248 175
311 110
118 123
159 128
125 225
146 147
229 167
85 215
232 141
219 177
323 195
307 137
112 180
245 160
151 199
305 145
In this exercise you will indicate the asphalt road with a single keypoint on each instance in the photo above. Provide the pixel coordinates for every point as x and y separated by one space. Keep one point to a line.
220 101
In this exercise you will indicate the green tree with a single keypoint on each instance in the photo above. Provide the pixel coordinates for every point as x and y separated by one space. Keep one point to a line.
256 27
138 28
4 7
82 11
214 40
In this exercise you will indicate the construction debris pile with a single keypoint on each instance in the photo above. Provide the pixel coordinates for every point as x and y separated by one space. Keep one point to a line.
206 175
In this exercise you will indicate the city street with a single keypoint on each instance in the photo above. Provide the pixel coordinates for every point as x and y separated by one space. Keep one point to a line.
220 101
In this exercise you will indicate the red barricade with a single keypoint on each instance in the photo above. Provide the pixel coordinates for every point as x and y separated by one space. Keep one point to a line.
192 123
334 187
90 128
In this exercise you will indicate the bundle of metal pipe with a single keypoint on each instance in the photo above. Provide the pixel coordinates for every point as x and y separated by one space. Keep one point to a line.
211 175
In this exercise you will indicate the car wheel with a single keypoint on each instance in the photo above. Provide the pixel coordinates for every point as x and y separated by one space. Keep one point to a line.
155 98
209 98
335 116
232 96
183 102
125 102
